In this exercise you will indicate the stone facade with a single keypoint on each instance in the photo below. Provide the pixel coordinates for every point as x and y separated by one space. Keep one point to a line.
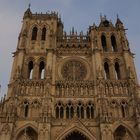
71 86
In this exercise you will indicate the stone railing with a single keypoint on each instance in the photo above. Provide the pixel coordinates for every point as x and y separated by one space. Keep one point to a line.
74 89
74 39
115 87
31 87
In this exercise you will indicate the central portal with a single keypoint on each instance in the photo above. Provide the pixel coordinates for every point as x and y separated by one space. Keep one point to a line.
76 136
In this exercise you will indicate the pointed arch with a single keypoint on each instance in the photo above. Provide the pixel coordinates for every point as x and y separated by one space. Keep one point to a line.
59 110
123 126
117 71
27 132
30 69
69 110
103 42
122 133
82 130
34 33
43 36
113 43
90 111
76 135
106 70
80 110
42 70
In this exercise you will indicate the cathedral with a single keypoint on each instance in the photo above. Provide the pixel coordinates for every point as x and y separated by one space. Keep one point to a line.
71 86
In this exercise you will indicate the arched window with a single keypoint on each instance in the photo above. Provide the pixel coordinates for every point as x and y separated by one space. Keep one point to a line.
117 70
41 70
26 109
106 70
90 111
30 70
59 111
69 111
34 33
80 111
124 109
103 41
43 37
113 43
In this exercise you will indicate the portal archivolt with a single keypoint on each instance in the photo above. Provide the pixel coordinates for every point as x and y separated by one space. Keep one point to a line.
27 134
122 133
76 135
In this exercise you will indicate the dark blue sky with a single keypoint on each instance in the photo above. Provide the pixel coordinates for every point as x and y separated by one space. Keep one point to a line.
77 13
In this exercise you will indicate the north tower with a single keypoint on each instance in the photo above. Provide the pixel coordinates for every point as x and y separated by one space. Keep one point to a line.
71 86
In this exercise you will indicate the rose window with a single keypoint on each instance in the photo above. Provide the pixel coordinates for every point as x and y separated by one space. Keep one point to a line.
74 70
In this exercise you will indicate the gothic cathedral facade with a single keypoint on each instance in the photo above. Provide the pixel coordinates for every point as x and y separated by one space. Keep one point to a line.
71 86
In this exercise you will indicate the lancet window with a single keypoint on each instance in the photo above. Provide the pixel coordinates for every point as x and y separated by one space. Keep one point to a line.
34 33
106 70
113 43
30 70
124 109
90 111
42 70
117 71
43 37
69 111
59 111
80 110
104 44
26 108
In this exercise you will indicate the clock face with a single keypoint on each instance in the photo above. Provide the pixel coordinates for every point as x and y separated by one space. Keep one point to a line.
74 70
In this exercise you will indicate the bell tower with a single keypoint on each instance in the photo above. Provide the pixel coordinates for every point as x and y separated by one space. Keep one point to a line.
71 86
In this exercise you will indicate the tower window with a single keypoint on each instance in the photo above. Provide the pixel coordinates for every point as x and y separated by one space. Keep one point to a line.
41 70
30 70
103 41
113 43
43 37
106 69
117 70
34 33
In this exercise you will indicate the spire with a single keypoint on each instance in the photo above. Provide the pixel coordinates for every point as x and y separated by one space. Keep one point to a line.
28 12
72 30
29 5
118 20
119 23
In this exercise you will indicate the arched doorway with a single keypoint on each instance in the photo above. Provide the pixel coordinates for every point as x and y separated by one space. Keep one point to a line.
122 133
27 134
76 136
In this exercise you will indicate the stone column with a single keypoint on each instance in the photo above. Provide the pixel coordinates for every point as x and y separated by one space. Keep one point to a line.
35 71
112 71
103 135
108 42
49 60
